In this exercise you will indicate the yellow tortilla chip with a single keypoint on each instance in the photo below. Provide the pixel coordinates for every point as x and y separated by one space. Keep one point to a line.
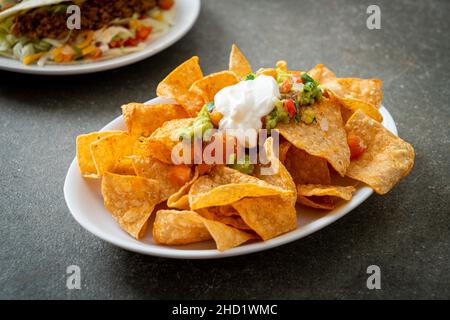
324 138
160 144
366 90
267 216
180 199
274 215
226 237
346 113
309 190
107 151
353 93
387 158
224 186
208 86
305 168
354 104
84 157
322 196
321 74
324 203
176 85
283 150
173 227
182 203
281 178
142 120
131 200
230 218
124 166
270 72
152 168
238 63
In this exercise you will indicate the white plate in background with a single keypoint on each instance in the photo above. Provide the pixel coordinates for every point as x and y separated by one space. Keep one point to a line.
186 13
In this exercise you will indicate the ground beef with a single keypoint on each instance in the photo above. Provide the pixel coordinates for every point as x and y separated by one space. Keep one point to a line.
44 23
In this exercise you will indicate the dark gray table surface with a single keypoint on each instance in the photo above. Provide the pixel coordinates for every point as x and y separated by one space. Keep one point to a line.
405 232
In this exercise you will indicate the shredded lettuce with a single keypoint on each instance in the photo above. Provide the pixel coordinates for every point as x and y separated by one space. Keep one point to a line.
5 25
20 50
41 45
60 8
6 42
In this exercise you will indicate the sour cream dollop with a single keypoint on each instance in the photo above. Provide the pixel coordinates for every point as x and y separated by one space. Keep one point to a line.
245 103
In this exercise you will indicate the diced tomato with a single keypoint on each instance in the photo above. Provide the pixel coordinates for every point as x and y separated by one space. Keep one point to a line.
116 44
166 4
226 140
68 57
204 168
97 53
289 105
286 86
131 42
179 175
143 32
197 153
356 145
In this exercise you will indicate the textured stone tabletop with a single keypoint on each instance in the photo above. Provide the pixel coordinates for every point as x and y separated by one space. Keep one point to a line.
406 232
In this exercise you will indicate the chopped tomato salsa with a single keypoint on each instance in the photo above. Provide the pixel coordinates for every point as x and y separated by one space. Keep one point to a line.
356 145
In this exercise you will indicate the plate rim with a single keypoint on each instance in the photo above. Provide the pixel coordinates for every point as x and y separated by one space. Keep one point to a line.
192 7
364 192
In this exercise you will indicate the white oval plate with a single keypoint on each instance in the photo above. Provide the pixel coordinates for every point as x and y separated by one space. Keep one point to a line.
186 14
85 202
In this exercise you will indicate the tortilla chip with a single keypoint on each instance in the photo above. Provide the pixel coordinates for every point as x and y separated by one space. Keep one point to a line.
124 166
180 199
176 85
84 157
224 186
324 138
322 196
270 72
130 200
173 227
274 215
230 218
354 104
152 168
160 144
387 158
226 237
305 168
282 178
267 216
321 74
142 120
354 93
346 113
107 151
366 90
208 86
309 190
283 150
324 203
238 63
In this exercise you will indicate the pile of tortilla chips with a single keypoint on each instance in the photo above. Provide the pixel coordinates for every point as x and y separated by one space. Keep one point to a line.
222 203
